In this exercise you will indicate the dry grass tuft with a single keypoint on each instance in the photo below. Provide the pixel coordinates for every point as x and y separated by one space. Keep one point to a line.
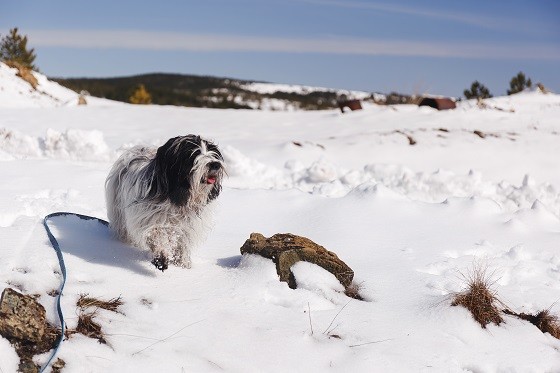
353 291
86 301
548 323
90 328
86 324
478 298
544 320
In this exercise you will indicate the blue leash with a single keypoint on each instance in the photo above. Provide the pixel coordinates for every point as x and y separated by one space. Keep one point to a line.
56 247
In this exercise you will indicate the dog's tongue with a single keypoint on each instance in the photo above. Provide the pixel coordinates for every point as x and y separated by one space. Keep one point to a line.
211 180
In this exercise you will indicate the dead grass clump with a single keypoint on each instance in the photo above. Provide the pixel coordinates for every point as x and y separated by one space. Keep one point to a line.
353 291
544 320
547 323
86 301
88 327
478 298
24 72
86 323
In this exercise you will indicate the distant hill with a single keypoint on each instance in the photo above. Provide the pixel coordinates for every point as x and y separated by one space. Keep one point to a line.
214 92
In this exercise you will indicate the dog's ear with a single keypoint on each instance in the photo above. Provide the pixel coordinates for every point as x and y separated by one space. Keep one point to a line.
173 165
169 181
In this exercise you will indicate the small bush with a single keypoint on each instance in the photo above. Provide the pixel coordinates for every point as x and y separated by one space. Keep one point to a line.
13 48
141 96
518 83
478 90
478 297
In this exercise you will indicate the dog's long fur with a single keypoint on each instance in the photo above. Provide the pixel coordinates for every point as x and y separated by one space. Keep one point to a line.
160 199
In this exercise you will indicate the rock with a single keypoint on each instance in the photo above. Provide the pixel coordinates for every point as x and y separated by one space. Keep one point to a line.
28 366
21 317
286 249
58 365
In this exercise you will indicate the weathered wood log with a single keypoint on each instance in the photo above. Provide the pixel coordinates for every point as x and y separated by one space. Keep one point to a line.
286 249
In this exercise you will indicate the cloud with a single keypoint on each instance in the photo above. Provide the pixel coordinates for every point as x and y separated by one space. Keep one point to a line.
478 20
172 41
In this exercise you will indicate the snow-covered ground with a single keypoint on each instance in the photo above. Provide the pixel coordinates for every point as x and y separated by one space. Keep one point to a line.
478 186
303 89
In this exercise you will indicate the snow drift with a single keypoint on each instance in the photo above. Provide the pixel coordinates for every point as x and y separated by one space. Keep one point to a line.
408 219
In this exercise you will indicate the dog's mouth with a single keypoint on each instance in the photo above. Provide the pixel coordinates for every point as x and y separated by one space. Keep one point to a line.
211 178
213 173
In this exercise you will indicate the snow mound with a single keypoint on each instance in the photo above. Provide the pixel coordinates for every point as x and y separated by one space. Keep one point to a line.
71 144
324 178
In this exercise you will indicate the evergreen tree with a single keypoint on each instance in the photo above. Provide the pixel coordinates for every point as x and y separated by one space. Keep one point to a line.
13 48
140 96
518 83
477 90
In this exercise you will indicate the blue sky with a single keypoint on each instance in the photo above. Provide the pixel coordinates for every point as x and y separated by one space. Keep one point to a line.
430 46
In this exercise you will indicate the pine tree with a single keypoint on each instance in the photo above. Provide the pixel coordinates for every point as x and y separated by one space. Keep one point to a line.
140 96
477 90
518 83
13 48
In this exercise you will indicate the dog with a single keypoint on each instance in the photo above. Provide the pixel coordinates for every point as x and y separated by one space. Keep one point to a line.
160 199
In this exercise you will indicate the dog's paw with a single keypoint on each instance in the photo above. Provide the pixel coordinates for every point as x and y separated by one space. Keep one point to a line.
161 262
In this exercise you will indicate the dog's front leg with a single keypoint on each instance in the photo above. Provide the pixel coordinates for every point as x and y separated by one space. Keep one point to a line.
158 241
181 255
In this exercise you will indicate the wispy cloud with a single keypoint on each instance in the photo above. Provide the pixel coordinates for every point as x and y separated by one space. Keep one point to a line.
478 20
161 41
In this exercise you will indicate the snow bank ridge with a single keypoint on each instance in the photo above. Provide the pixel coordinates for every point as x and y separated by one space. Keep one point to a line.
70 144
381 180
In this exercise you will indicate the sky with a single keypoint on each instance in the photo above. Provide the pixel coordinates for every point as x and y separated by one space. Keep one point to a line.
433 46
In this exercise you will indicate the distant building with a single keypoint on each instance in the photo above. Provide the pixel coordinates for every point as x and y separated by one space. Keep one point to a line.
440 103
351 104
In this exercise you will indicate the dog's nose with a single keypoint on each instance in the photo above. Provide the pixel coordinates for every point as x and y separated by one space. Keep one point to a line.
214 166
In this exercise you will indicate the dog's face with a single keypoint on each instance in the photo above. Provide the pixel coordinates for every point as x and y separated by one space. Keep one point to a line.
188 171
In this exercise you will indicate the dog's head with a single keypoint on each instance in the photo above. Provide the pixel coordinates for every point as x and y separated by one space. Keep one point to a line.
188 171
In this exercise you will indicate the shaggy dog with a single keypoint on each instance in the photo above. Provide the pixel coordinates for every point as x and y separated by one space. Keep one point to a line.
159 199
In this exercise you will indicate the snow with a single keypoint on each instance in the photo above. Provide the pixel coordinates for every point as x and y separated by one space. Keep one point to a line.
409 219
269 88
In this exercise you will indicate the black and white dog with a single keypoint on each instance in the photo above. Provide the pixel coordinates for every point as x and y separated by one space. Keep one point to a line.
159 199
